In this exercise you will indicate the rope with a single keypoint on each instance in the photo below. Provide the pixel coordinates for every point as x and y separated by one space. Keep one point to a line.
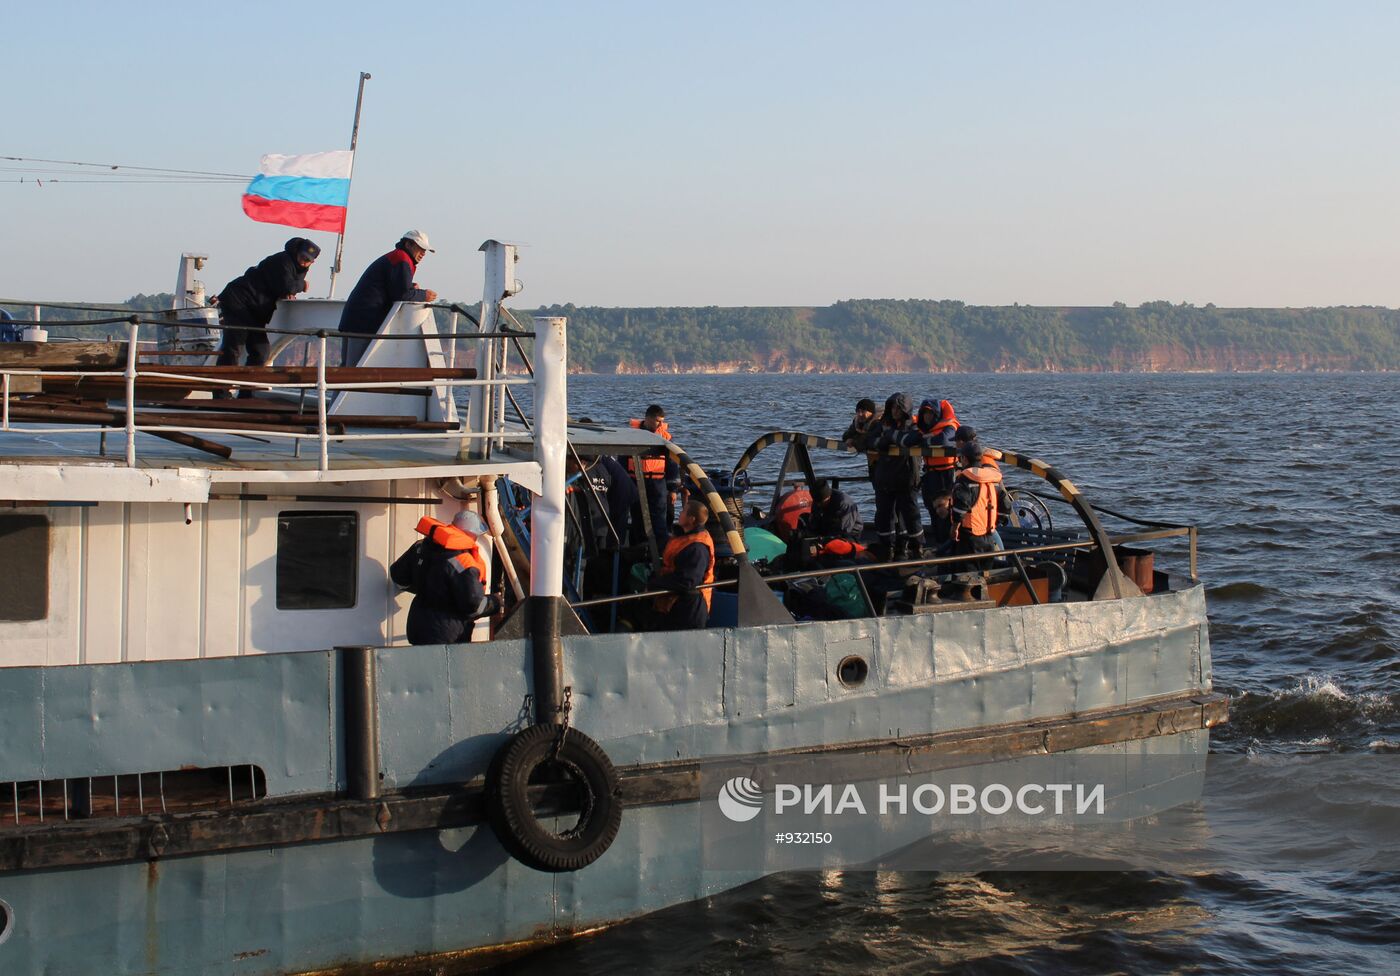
117 166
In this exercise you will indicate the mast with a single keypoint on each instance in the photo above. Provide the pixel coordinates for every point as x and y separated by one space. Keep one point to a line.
354 140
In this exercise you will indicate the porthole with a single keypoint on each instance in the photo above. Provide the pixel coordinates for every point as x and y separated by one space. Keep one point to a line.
7 921
852 671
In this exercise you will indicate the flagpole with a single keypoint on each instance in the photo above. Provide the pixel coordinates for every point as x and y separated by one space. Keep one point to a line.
354 139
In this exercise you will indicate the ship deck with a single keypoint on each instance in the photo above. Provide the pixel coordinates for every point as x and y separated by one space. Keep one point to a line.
57 464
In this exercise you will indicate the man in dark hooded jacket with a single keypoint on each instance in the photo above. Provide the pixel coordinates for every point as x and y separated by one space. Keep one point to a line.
249 301
444 572
387 280
899 528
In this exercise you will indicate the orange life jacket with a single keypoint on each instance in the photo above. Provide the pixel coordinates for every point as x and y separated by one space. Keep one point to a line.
940 463
947 417
841 547
652 467
982 517
458 540
673 549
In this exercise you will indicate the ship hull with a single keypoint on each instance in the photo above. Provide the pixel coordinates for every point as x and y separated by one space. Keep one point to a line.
389 893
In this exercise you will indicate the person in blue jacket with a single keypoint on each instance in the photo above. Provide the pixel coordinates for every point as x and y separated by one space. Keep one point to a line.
387 280
9 332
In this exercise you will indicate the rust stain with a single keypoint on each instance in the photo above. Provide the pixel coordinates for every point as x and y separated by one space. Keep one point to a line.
152 915
462 960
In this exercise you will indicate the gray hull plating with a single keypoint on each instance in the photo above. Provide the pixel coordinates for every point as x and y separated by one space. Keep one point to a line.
444 711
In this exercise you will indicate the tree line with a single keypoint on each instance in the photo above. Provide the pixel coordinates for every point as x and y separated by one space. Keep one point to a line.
887 335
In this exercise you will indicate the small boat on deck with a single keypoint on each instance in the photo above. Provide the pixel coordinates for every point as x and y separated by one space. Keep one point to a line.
222 756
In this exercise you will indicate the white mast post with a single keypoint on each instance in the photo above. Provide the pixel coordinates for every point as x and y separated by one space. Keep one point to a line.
354 141
547 518
500 283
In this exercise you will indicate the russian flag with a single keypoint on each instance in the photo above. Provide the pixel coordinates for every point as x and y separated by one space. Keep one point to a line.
309 191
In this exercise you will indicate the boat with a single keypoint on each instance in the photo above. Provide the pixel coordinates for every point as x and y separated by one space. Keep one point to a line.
221 755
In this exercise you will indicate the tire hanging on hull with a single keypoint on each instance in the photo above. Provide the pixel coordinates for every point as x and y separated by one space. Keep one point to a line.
512 817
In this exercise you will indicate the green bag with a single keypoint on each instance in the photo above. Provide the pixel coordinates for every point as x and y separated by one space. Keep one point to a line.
843 592
763 545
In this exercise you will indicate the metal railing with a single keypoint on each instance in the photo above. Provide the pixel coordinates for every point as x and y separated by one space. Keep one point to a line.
25 802
324 393
860 568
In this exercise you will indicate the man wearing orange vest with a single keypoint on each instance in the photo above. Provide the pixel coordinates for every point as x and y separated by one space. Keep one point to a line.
688 562
938 426
979 504
447 577
659 475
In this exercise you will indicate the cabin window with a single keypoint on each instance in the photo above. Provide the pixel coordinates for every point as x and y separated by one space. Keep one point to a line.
24 552
317 555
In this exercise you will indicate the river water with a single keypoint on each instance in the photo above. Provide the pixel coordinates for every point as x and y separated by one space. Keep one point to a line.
1291 481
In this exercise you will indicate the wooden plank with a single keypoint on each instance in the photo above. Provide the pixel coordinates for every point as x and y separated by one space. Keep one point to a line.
63 355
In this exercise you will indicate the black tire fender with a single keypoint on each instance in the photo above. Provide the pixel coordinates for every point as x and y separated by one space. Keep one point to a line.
521 832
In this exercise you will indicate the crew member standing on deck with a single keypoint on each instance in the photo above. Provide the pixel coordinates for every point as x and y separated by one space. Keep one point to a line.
938 425
899 528
387 280
687 563
249 301
862 423
980 503
658 474
447 577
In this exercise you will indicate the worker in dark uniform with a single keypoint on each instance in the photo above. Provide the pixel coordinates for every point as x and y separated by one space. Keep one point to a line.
899 528
661 475
447 577
830 532
861 424
387 280
595 497
622 495
687 563
834 514
980 503
249 301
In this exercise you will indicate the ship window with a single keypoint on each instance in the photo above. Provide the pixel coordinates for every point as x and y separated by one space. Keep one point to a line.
317 554
24 551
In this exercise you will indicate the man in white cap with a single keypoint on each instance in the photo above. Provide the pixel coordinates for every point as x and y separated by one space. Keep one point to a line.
387 280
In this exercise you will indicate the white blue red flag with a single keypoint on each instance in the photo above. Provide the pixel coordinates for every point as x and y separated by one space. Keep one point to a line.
309 191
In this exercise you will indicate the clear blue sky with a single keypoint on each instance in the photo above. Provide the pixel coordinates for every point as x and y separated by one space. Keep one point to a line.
785 153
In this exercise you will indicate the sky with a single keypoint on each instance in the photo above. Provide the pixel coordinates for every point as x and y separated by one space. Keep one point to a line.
759 153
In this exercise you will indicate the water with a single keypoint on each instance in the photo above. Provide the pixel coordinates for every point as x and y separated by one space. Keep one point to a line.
1291 480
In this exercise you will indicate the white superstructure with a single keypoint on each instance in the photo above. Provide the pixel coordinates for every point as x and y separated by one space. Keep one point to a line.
127 547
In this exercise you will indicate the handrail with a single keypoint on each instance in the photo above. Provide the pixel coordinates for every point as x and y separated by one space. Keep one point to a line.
897 564
150 319
1119 584
132 372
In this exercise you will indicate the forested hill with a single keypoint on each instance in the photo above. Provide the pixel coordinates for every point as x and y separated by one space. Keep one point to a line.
917 336
914 336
